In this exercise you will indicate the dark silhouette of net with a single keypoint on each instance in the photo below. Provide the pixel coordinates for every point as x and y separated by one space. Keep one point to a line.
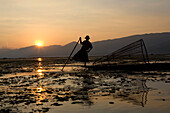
132 53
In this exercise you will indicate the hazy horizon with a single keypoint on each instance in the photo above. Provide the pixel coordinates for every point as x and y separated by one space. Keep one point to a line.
56 22
75 41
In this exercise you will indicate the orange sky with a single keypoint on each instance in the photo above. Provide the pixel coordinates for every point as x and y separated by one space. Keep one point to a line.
58 22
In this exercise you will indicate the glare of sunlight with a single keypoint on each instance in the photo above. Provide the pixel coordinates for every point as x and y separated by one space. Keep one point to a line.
39 43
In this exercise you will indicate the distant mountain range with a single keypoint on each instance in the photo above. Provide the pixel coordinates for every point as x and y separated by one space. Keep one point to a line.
156 43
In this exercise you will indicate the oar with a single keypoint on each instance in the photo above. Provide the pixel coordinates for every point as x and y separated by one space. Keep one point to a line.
70 55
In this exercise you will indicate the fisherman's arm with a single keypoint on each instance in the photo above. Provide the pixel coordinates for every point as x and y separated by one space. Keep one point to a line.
80 41
91 47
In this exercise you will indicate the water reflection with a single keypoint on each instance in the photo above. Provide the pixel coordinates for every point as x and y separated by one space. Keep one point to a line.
40 68
133 91
39 89
39 59
43 92
82 93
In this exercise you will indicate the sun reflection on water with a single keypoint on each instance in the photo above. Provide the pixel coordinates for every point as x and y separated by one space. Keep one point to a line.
40 74
39 71
40 68
39 89
39 59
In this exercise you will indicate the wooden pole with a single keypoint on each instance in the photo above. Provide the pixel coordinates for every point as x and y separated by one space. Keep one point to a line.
142 51
147 56
70 55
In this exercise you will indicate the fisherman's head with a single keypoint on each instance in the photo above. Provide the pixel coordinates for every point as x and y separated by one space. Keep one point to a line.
87 37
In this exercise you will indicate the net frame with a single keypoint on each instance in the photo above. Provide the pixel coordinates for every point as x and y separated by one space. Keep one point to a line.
135 52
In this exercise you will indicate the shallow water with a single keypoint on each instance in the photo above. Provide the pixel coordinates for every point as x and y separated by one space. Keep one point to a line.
40 86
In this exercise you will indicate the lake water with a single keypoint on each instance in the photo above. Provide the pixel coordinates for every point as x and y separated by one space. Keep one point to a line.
38 85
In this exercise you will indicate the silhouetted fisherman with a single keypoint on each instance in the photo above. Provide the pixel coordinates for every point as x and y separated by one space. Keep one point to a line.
82 54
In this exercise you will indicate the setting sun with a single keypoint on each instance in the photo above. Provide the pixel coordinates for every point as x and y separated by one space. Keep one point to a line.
39 43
